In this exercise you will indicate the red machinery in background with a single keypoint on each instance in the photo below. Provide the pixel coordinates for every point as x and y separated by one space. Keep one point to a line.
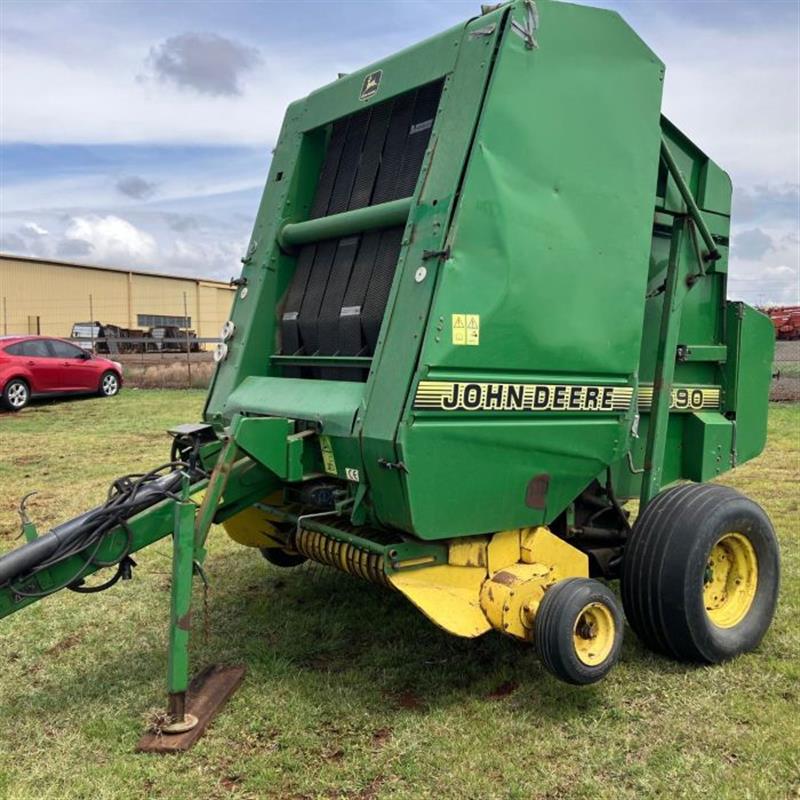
786 320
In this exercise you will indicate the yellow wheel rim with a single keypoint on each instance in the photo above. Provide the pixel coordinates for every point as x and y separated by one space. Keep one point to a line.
593 634
730 580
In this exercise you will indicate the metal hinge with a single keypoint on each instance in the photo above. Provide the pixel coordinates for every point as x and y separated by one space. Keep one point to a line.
487 31
527 32
438 254
398 465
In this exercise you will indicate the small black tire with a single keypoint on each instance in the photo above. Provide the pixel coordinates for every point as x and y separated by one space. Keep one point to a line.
701 573
578 630
282 558
109 384
16 394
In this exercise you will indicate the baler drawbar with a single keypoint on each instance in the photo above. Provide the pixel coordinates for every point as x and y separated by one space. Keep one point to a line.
482 309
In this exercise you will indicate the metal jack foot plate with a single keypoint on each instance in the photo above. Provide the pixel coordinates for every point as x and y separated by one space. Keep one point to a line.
208 692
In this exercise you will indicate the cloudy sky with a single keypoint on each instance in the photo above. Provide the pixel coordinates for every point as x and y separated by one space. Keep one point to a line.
139 133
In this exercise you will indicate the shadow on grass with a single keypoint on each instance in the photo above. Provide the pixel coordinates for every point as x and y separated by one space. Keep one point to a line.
46 402
331 640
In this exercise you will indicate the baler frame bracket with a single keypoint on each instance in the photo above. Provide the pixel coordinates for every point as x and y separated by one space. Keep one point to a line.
691 204
676 287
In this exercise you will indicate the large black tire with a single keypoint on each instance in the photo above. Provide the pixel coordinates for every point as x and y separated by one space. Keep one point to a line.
701 573
282 558
16 394
578 630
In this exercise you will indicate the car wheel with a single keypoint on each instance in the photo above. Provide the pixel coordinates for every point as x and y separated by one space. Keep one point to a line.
109 384
16 395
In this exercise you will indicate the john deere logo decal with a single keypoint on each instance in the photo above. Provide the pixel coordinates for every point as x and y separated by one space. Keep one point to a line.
462 396
370 86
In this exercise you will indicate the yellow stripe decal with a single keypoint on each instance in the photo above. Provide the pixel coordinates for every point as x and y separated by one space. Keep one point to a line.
477 396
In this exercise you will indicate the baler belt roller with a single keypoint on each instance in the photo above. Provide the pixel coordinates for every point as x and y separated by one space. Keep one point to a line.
334 547
337 226
342 555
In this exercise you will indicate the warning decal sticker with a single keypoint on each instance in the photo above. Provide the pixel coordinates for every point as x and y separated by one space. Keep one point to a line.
328 461
467 329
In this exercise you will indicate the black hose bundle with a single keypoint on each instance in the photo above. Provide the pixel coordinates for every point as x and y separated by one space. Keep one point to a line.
84 535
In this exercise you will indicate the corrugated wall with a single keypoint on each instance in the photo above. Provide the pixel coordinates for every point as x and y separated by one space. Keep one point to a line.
49 297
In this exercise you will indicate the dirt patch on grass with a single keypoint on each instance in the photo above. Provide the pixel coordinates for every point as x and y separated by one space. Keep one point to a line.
503 690
64 645
381 737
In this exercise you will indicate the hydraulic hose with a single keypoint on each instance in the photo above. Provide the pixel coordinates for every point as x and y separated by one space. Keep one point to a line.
88 528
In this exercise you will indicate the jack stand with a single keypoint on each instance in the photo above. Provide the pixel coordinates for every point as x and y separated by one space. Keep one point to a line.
191 708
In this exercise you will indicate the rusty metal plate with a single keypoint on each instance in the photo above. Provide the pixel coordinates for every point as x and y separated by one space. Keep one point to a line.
207 694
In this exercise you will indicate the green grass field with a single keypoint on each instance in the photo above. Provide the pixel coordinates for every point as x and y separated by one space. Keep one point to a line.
350 692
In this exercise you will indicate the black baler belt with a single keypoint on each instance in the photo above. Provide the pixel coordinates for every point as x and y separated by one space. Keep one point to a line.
337 297
348 162
332 303
418 137
290 334
371 156
379 285
316 287
351 339
365 301
330 168
312 300
373 139
350 335
392 155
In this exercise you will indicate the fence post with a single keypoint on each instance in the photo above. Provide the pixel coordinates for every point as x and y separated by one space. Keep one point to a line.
5 317
91 321
188 343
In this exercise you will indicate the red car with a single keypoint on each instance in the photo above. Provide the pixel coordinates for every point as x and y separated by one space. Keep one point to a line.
37 365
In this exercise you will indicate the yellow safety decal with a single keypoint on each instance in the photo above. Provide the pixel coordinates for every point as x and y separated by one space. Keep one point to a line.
328 461
467 329
463 396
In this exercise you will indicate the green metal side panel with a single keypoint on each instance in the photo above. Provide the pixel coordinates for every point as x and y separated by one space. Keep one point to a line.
330 404
549 247
710 185
407 313
751 340
415 66
707 445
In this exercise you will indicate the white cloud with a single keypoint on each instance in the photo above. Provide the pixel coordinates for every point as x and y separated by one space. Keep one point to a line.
94 96
768 274
730 86
112 240
217 259
149 239
32 229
